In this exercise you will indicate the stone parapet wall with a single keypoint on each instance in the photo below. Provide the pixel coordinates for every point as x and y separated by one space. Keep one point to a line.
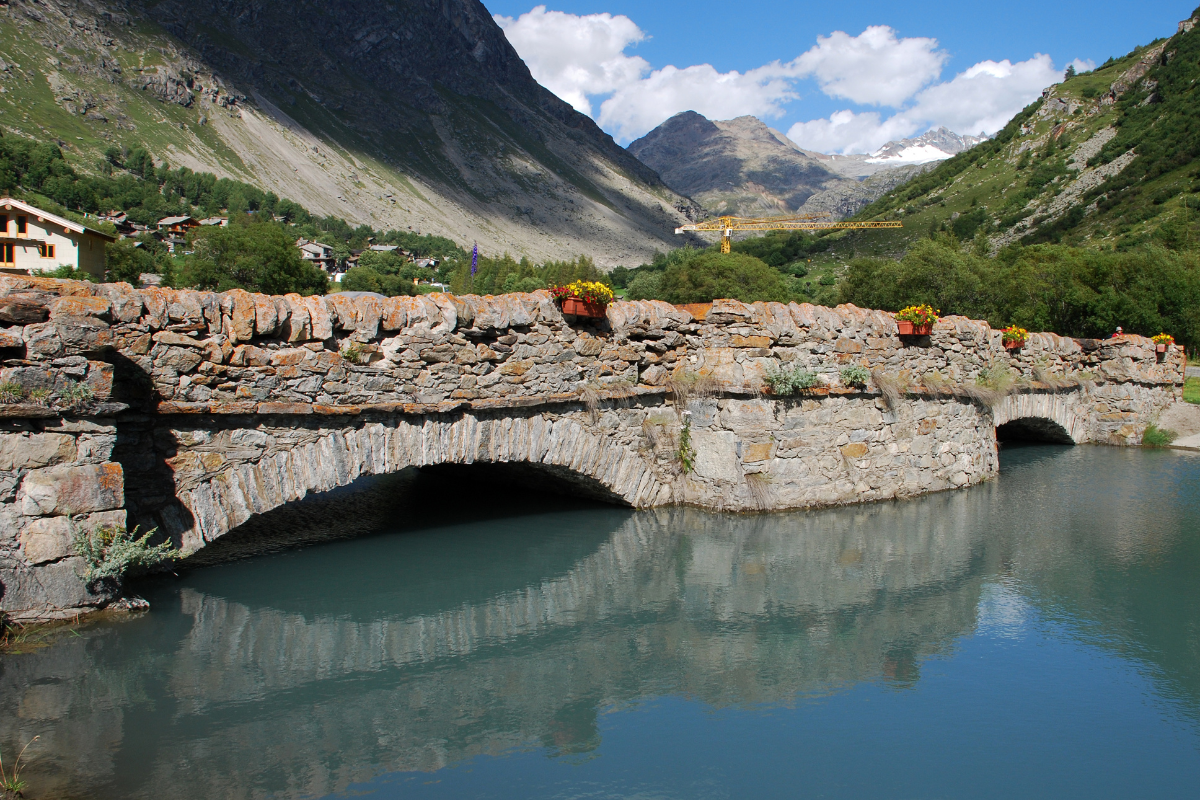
236 352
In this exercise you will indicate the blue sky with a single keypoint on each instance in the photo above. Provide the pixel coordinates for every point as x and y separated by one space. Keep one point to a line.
894 70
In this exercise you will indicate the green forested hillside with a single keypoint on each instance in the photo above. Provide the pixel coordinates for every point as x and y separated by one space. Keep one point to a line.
1106 159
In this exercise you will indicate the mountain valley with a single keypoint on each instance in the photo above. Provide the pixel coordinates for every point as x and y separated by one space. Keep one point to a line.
406 115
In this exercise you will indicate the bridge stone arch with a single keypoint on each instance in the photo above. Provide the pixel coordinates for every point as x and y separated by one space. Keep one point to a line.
225 474
1049 417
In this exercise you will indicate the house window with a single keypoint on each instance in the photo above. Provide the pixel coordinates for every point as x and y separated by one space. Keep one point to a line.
7 251
22 224
3 223
46 250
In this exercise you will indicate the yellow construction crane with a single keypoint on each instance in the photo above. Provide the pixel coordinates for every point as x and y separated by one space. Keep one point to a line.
804 222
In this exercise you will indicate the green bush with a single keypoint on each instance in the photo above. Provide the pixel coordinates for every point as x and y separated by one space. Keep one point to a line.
110 552
646 286
255 254
713 275
365 279
124 261
1154 436
785 382
855 376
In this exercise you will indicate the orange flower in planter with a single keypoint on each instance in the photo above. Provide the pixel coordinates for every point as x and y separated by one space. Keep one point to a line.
1014 337
916 320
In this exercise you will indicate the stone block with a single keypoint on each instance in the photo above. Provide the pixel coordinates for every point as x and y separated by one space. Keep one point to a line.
180 359
83 334
232 407
16 310
749 341
79 306
72 490
290 356
319 318
515 367
266 318
42 340
47 539
242 316
35 450
589 346
854 450
11 337
285 408
753 453
177 339
654 376
100 379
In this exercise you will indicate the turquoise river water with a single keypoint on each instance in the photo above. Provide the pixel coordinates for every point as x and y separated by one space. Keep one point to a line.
1036 636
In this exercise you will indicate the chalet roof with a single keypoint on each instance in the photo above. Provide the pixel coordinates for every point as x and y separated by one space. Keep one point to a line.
174 220
221 221
8 203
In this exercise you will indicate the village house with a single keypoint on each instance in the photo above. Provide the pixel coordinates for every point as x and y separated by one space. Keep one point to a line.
174 231
33 241
321 255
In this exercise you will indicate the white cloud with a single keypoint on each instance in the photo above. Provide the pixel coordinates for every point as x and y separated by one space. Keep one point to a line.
575 56
640 106
848 132
582 59
978 101
986 96
873 68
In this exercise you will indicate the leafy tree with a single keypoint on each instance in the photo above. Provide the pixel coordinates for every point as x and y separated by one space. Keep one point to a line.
1071 291
712 275
365 279
126 262
255 254
645 286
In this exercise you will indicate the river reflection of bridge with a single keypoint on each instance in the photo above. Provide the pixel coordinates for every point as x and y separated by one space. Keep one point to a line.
251 686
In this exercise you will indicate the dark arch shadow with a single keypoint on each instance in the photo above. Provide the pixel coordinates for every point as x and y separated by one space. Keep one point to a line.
1033 429
411 499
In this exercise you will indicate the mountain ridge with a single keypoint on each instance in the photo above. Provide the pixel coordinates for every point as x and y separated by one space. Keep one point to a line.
344 107
746 168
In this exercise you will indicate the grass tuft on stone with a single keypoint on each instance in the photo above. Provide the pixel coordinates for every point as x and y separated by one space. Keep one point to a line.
1155 436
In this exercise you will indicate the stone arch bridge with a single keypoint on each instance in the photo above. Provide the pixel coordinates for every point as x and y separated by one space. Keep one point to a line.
192 411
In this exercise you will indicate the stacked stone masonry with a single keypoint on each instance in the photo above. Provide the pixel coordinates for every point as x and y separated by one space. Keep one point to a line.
192 411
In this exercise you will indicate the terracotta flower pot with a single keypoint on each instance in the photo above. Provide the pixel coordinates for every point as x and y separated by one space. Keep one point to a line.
907 328
1160 348
1014 345
581 308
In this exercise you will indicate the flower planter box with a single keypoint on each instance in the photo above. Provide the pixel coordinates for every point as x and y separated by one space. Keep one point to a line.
581 308
1013 345
907 328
